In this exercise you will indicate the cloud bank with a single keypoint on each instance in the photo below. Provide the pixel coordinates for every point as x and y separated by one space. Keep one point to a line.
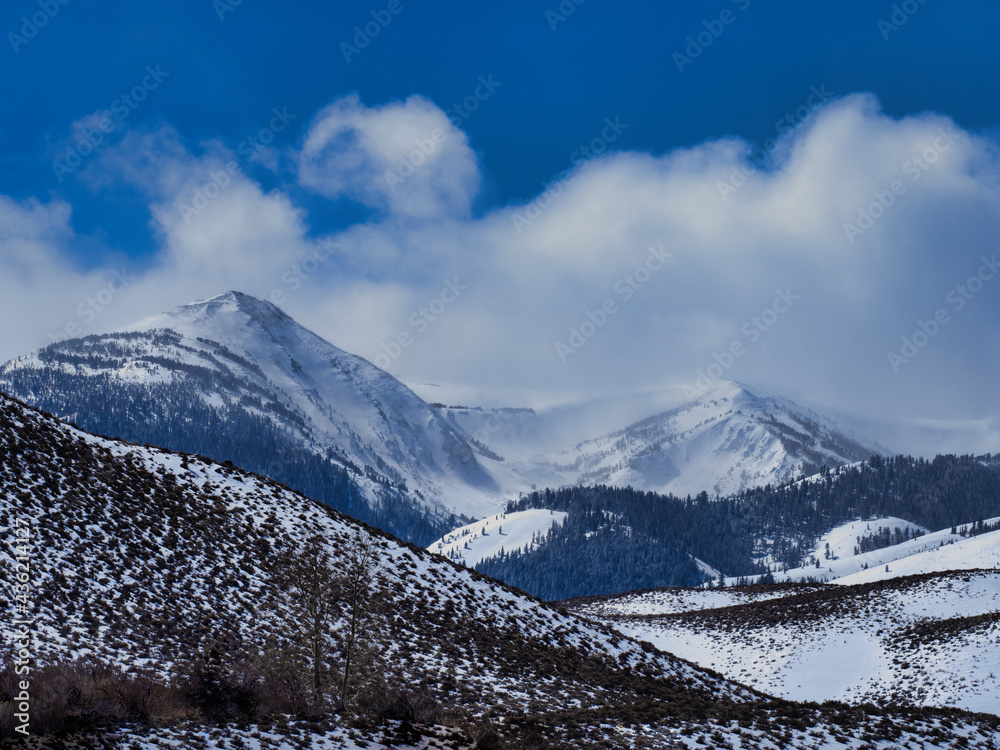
854 269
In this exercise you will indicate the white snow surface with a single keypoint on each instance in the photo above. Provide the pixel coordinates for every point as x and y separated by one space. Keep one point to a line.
505 532
976 552
290 737
931 641
914 734
669 601
933 552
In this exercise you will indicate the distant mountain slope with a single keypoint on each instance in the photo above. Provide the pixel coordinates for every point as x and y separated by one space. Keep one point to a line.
506 531
933 553
235 378
619 539
882 548
721 441
931 640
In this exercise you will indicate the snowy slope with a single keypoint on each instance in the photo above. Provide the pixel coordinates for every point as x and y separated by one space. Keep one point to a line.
842 541
510 532
930 640
721 442
669 601
142 557
813 728
932 552
953 553
292 736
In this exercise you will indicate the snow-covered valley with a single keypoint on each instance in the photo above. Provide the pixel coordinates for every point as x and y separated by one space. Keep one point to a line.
931 640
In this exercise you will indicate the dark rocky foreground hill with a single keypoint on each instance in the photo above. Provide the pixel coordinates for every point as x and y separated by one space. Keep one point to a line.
160 615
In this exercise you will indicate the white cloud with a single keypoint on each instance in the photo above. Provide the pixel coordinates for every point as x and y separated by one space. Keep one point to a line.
30 233
405 158
218 228
783 229
43 297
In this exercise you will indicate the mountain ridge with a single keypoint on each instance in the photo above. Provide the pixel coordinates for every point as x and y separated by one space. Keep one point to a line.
235 377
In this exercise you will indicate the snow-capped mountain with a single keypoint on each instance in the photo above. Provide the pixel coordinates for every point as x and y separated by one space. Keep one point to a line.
722 440
234 377
236 364
146 563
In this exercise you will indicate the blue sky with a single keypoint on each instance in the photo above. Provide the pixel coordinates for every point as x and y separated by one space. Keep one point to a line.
605 59
212 74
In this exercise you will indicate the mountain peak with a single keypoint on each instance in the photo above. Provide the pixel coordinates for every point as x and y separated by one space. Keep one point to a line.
233 295
252 306
238 308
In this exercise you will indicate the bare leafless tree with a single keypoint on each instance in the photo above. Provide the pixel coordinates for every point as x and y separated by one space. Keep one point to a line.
308 577
335 595
362 596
